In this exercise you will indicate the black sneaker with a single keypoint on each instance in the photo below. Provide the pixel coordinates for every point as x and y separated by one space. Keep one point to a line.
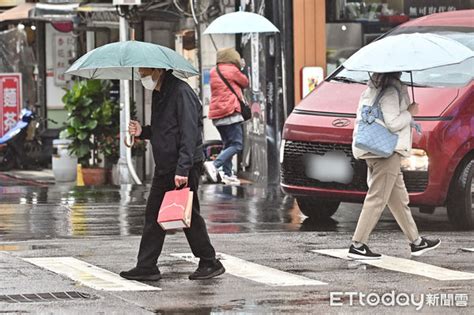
362 252
142 274
208 271
425 245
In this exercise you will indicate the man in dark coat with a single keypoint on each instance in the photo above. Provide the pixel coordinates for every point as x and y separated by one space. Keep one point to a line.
176 139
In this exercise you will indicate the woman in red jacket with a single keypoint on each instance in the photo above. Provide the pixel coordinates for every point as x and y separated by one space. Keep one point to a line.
224 111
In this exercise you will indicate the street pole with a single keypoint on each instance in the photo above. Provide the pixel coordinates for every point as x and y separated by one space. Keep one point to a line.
127 174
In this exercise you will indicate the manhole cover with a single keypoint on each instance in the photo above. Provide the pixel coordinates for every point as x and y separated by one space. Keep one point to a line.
46 297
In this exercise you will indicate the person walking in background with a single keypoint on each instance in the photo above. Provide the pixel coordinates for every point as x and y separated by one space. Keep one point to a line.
176 139
224 111
385 179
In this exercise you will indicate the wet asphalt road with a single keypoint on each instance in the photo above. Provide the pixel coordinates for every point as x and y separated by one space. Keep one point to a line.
30 210
101 226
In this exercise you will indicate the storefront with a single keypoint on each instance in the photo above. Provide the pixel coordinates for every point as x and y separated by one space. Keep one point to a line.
327 32
18 62
352 24
39 41
47 46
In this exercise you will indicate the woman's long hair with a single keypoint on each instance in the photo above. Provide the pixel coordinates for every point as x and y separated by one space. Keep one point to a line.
382 80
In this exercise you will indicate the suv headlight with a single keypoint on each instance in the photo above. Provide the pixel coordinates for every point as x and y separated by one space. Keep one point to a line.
282 150
417 161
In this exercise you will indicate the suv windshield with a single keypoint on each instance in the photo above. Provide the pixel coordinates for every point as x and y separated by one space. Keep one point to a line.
455 75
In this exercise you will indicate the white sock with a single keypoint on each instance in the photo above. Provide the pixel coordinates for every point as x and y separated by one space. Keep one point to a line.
418 241
357 244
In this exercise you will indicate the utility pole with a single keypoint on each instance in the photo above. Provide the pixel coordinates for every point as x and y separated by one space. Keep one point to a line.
127 173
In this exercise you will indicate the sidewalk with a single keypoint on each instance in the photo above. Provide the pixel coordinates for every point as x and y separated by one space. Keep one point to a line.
46 176
28 289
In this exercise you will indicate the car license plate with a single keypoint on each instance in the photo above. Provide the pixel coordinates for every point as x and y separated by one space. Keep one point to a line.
334 166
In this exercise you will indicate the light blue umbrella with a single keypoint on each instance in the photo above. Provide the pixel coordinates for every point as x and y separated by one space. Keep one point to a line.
121 60
241 22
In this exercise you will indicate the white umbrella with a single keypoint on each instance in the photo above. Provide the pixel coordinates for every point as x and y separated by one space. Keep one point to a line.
241 22
408 52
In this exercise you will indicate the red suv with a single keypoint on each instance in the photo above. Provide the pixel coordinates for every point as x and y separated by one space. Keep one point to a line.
440 169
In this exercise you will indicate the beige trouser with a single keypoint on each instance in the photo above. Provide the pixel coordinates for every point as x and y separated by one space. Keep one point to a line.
386 188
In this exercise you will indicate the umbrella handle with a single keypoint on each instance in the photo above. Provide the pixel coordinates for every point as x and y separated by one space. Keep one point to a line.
412 88
132 142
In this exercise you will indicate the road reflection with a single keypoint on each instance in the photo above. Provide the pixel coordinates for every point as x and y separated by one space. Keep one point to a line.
35 212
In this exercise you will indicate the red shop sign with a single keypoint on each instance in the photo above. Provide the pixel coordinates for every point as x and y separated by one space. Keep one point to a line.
10 100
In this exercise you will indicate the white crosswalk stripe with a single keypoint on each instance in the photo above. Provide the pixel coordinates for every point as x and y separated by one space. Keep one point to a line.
89 275
101 279
255 272
404 265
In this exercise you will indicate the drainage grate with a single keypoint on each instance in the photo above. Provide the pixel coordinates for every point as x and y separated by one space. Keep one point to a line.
46 297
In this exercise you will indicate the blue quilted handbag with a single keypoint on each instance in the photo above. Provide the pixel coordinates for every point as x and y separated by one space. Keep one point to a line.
373 136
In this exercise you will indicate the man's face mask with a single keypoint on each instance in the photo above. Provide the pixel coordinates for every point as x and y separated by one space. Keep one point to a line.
148 82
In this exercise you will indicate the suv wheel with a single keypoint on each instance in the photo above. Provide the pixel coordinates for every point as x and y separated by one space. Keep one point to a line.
459 203
317 208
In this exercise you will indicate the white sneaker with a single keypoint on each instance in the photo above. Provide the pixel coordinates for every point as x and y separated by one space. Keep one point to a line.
230 180
211 172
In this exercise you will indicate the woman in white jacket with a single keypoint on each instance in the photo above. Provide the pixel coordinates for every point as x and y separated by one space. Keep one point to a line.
385 179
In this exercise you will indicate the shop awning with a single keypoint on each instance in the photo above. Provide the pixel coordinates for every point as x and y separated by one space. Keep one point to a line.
96 13
41 11
97 7
20 12
54 12
99 14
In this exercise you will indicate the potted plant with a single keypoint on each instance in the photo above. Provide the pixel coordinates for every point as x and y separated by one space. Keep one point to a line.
92 125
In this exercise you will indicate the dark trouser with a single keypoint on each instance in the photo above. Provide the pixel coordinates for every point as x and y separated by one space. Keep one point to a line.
232 140
153 235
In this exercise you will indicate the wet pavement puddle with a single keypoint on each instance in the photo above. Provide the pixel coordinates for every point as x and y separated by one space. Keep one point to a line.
403 265
245 306
88 274
56 211
255 272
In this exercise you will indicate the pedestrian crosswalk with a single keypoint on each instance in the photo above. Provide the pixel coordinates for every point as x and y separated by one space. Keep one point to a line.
404 265
101 279
255 272
88 274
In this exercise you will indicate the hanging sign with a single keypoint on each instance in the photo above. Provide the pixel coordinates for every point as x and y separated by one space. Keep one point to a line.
64 51
10 100
416 8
